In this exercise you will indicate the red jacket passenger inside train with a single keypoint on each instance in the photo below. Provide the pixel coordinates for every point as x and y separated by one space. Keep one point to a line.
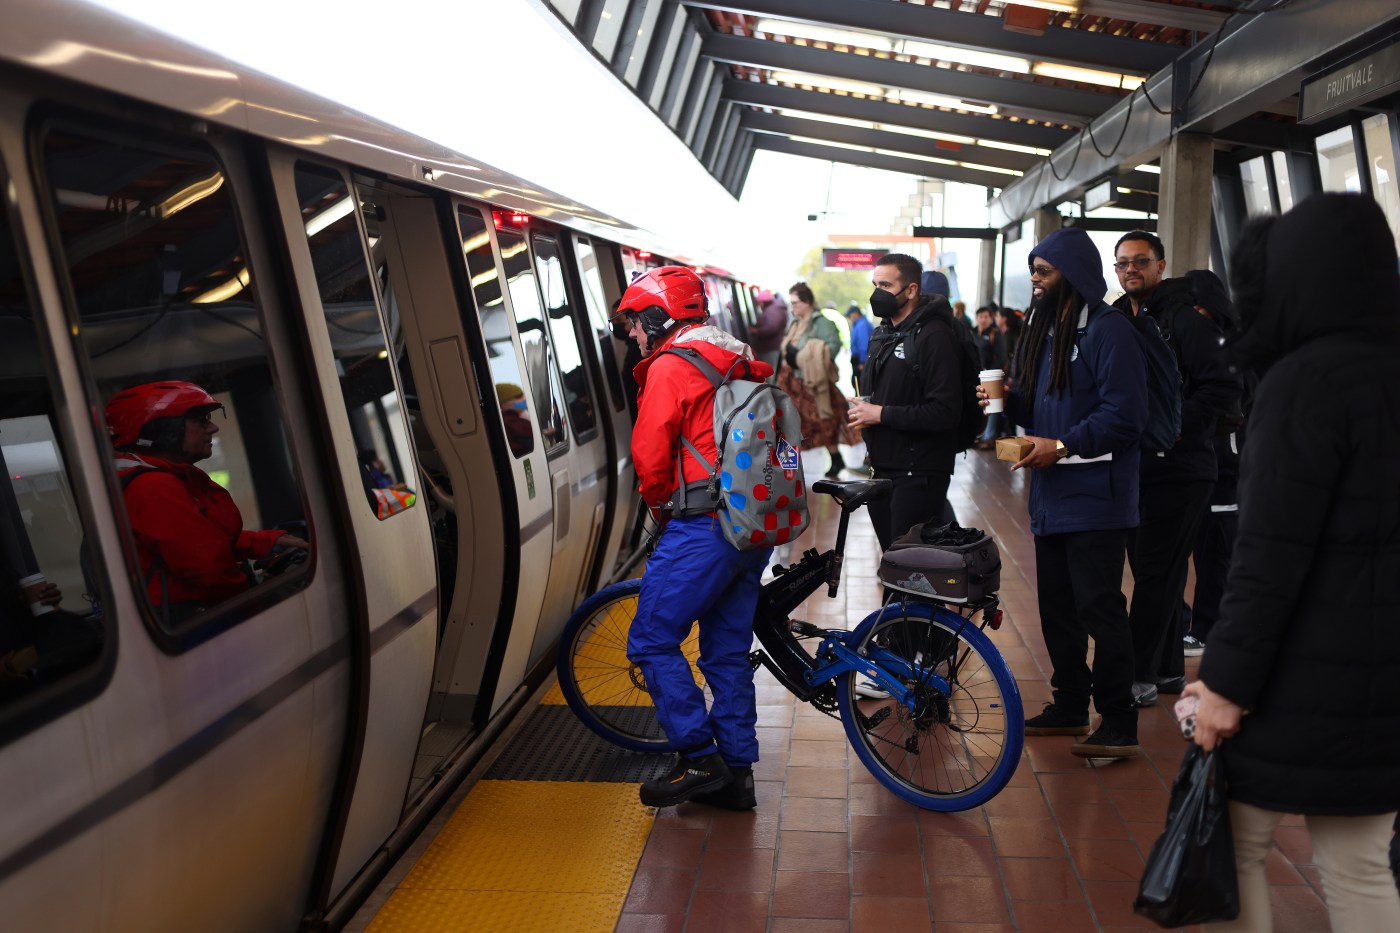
189 532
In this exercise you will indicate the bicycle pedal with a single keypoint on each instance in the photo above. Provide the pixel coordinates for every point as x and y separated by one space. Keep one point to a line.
805 629
755 660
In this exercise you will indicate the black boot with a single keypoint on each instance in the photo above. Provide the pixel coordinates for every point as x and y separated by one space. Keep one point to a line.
689 777
838 463
738 794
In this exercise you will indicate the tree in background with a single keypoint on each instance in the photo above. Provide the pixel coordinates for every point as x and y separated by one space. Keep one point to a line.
837 288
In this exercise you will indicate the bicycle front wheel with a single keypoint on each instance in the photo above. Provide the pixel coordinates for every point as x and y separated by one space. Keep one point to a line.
604 689
959 745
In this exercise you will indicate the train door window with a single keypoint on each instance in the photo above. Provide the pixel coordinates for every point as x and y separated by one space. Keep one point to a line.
546 392
1380 162
578 395
169 320
1336 161
356 326
50 636
598 314
513 401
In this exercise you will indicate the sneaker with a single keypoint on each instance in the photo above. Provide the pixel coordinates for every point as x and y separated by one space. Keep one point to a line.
689 777
1192 647
1056 720
871 690
738 794
1171 684
1144 694
1106 742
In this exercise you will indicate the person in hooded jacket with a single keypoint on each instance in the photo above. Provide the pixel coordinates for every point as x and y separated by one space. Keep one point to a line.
1082 399
1176 483
694 572
766 332
190 538
1299 688
914 397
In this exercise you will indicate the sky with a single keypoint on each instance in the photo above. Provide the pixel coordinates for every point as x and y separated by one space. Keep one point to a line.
504 82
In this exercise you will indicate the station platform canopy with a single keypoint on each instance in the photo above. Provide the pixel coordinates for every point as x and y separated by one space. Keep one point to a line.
1040 101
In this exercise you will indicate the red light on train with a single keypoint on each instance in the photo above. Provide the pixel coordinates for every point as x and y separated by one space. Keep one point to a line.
505 219
643 254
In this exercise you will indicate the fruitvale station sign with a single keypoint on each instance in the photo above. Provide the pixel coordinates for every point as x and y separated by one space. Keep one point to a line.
851 258
1351 85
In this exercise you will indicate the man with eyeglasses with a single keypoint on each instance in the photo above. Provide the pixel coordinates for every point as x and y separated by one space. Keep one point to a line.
1082 398
1175 484
190 538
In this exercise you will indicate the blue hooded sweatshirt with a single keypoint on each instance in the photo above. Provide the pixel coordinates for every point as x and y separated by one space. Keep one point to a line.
1100 418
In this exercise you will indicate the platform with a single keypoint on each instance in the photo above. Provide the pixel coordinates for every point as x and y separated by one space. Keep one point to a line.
548 833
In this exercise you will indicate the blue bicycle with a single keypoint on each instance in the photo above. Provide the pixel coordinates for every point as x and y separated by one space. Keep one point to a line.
926 700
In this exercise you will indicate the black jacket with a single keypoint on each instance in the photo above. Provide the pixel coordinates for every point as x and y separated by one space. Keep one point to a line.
1309 630
1208 389
912 372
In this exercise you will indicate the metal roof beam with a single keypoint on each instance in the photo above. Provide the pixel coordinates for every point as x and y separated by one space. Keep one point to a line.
880 111
1158 14
878 160
885 139
965 30
1037 101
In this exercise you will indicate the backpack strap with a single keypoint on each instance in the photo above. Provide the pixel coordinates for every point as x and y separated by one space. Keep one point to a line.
680 503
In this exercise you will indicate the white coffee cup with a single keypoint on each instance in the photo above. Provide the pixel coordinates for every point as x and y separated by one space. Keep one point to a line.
993 383
32 586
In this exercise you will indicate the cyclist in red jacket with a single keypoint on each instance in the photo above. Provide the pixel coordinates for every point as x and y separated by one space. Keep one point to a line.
189 533
694 572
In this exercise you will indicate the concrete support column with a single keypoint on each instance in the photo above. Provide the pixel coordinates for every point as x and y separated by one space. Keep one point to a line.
1183 202
1047 220
987 272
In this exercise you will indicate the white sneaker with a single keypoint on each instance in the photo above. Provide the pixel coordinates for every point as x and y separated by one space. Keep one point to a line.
871 690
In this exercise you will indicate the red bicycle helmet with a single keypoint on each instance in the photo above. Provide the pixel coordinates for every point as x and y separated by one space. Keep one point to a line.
664 297
131 410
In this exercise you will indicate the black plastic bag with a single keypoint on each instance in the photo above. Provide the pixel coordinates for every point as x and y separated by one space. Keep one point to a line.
1190 875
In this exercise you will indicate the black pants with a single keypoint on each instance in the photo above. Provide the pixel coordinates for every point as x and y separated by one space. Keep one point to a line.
913 499
1214 544
1158 550
1079 586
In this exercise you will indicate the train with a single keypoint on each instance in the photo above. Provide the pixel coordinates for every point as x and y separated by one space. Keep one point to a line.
413 356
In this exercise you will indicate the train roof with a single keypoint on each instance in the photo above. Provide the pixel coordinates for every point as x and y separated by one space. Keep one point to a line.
97 47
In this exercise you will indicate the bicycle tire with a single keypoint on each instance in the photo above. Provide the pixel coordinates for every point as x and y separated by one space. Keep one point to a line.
605 690
952 752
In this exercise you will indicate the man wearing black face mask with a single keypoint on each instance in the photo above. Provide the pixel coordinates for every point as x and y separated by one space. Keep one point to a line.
911 397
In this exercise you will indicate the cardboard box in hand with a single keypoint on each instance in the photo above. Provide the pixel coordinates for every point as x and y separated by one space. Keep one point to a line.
1013 449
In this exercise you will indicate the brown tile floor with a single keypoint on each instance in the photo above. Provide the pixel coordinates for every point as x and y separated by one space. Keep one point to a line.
1060 849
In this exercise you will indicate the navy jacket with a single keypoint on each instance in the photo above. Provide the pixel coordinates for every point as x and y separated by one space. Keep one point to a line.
1101 416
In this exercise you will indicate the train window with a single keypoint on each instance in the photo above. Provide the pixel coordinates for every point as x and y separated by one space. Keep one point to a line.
50 635
500 351
598 313
534 342
353 319
171 327
578 395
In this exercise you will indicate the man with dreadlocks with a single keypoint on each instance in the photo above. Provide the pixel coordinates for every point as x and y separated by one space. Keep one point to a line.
1082 398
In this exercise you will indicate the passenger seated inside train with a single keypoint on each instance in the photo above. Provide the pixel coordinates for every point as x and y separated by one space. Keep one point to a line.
189 533
385 495
40 641
515 414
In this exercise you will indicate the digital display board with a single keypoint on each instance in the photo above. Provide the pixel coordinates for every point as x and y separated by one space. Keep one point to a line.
851 258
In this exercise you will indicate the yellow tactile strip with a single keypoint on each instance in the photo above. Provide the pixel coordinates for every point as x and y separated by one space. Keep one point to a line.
526 855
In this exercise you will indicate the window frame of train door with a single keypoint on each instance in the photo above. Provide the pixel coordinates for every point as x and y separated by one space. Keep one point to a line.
169 135
76 689
367 631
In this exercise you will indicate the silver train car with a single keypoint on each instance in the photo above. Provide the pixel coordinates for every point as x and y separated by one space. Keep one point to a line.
413 356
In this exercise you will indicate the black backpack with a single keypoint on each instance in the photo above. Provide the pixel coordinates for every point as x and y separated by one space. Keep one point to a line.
1163 427
971 418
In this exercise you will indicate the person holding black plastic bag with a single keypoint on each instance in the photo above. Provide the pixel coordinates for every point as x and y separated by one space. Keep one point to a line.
1300 689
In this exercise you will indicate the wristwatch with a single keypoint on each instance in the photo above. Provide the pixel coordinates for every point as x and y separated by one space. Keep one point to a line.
1061 452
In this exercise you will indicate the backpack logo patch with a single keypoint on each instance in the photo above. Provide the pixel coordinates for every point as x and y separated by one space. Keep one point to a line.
787 455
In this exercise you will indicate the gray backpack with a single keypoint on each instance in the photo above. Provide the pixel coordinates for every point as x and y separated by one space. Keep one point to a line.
755 484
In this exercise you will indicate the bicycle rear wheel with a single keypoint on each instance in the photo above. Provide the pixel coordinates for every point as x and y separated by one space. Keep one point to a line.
604 689
957 748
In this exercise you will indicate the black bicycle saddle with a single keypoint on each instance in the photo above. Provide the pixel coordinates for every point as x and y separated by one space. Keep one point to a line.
854 494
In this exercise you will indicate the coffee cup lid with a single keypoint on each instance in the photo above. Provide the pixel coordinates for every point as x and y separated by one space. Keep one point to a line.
31 580
989 374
